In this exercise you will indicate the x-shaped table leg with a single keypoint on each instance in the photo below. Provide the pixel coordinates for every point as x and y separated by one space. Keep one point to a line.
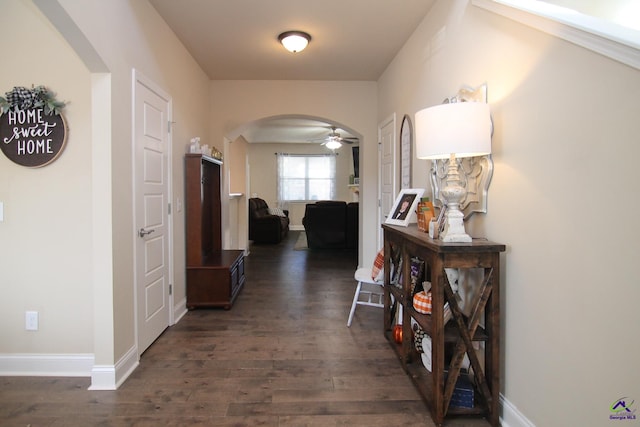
464 344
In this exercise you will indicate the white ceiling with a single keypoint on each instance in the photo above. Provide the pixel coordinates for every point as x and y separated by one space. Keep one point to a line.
291 130
237 40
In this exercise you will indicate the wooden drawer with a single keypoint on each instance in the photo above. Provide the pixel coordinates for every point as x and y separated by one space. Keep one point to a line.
217 282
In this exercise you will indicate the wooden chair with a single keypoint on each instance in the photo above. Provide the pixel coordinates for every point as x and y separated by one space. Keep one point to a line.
371 290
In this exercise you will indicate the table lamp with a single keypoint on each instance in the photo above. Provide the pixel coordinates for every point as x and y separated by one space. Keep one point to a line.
459 129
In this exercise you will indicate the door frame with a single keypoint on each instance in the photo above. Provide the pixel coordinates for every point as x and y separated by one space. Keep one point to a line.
137 76
391 119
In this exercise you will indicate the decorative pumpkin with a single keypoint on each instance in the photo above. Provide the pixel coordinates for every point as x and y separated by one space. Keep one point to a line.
397 334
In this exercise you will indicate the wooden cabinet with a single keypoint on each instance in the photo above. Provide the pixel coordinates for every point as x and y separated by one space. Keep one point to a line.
217 282
214 276
476 325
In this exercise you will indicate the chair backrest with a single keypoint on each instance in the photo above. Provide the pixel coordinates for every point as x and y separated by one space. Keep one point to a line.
327 214
257 208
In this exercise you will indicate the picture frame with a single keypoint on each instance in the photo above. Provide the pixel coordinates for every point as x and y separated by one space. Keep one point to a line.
406 152
403 209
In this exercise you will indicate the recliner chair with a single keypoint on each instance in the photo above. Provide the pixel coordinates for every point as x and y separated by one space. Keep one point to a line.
265 226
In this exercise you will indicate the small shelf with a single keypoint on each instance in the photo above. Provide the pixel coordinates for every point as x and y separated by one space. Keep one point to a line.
212 159
423 381
451 331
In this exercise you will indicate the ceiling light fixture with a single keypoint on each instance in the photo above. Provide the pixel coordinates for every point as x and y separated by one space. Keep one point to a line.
333 144
294 41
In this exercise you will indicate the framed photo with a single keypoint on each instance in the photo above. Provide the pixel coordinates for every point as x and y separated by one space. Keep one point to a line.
404 206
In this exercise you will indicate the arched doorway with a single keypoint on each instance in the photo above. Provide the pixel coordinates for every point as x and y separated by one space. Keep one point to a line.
252 146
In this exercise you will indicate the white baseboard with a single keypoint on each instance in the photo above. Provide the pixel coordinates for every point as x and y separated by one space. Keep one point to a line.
511 416
110 377
46 365
179 310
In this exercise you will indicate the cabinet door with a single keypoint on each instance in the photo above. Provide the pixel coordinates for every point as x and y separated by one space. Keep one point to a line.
203 208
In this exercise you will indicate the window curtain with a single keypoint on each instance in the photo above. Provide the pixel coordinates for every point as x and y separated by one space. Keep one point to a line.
280 184
305 177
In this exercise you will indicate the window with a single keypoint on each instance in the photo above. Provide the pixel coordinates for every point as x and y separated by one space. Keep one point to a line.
306 177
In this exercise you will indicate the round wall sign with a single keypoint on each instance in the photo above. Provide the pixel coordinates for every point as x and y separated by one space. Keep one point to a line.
31 137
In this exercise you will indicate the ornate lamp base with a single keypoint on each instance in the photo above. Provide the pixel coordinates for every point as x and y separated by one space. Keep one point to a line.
454 193
454 228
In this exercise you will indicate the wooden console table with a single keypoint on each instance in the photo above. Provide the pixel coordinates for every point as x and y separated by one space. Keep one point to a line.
482 324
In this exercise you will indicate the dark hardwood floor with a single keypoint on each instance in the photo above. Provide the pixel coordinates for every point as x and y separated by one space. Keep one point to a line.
282 356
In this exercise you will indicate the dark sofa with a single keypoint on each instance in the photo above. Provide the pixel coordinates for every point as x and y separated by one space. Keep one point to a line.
331 225
265 226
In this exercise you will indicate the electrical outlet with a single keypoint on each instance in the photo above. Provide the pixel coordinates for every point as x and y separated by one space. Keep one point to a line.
31 320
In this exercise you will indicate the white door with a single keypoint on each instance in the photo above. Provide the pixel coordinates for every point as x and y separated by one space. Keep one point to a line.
151 201
387 171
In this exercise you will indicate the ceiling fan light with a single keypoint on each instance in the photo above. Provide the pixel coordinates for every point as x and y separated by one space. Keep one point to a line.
332 144
294 41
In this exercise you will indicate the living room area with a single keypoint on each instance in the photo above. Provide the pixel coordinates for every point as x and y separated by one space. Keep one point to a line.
327 215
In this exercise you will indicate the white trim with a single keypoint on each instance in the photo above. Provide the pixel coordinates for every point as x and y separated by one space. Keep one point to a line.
391 119
46 365
102 217
614 41
103 378
110 377
180 309
511 416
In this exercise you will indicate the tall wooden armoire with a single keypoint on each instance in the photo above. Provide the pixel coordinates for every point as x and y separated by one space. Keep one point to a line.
214 276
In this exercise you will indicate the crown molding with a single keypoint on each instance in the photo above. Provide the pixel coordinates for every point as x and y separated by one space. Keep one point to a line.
614 41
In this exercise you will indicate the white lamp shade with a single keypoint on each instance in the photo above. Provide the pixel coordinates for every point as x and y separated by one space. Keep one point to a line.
294 41
460 128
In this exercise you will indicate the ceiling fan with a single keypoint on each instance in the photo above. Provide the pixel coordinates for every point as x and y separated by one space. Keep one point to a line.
334 140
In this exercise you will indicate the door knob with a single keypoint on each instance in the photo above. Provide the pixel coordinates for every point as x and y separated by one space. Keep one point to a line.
142 232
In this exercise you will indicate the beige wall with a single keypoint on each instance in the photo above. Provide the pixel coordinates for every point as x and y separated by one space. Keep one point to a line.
235 168
562 199
45 238
142 42
68 244
236 162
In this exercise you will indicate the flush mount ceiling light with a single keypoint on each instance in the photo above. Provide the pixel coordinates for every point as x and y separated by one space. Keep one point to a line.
294 41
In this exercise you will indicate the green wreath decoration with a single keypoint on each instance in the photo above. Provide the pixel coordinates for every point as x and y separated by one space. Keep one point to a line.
21 98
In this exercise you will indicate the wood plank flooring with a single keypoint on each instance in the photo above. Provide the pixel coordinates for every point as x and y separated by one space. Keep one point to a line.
282 356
